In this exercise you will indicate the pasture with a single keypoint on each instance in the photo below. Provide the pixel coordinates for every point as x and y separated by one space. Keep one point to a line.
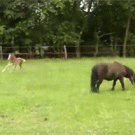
52 96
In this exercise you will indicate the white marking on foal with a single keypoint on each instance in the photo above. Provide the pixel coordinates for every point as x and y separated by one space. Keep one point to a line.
9 56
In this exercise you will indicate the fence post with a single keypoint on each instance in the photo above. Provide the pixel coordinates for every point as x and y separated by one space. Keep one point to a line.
65 51
41 52
1 56
30 51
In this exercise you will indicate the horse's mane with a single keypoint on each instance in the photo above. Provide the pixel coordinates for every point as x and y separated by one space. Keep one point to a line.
116 62
13 56
128 70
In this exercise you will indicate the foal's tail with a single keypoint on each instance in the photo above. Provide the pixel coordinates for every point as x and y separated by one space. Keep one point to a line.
23 60
94 78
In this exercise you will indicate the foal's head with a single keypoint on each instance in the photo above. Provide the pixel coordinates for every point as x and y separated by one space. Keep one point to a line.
11 56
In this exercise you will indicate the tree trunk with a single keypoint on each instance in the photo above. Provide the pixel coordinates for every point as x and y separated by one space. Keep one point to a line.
126 36
78 46
65 51
83 27
97 42
115 46
90 4
77 51
96 50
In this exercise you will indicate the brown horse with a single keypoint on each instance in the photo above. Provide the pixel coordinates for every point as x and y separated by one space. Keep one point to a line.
14 61
110 71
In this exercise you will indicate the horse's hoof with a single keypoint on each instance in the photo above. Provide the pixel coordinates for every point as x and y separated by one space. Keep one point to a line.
97 91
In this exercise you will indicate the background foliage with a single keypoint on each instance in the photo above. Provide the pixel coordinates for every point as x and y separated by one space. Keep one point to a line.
70 22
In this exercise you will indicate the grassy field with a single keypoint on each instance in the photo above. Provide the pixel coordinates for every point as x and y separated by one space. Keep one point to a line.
53 97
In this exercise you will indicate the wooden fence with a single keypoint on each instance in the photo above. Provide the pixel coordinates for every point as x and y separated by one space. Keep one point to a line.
33 52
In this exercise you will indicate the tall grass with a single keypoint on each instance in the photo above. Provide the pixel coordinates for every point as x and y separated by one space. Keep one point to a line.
53 97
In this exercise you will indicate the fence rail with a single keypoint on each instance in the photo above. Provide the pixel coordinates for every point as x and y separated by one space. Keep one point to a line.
31 52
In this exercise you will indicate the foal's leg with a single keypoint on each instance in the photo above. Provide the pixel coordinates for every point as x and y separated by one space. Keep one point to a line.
13 67
9 64
122 83
20 64
114 83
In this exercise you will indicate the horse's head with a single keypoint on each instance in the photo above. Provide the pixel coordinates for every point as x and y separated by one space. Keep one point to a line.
132 79
130 74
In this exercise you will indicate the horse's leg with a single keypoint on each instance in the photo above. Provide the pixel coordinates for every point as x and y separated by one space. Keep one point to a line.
114 83
94 79
122 83
98 84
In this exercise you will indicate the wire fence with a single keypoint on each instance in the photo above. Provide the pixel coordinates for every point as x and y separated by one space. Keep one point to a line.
33 52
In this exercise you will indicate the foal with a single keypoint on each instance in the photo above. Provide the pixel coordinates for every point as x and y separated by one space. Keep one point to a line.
14 61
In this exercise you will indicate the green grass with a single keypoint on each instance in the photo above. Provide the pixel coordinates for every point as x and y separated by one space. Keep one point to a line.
53 97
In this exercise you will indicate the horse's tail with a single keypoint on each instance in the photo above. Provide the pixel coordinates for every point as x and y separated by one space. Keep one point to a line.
94 78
